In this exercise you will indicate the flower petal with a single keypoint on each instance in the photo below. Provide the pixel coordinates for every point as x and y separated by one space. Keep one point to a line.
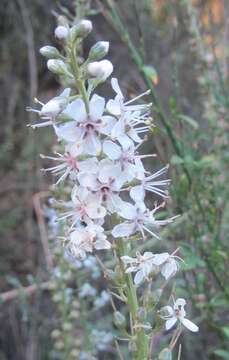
137 193
139 277
76 110
189 325
127 211
106 125
123 229
96 106
92 144
69 132
116 87
112 150
170 323
113 106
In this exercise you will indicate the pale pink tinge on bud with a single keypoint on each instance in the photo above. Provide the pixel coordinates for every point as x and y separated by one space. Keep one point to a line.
100 69
61 32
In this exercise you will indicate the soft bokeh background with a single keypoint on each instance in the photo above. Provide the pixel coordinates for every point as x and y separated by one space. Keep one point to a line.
191 82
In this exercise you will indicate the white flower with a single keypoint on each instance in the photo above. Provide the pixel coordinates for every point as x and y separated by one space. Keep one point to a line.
139 218
51 109
61 32
106 184
177 312
129 126
142 265
82 134
100 69
118 105
86 239
130 163
70 166
83 207
149 183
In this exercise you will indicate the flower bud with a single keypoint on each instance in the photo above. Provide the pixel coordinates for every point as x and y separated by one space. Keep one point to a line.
119 320
55 334
86 27
100 69
56 66
50 52
99 50
67 326
59 345
81 30
61 32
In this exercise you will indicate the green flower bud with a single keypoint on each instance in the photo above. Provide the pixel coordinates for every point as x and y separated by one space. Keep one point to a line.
99 50
50 52
57 66
119 320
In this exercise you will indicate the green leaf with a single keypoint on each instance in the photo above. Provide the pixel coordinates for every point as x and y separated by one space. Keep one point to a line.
222 353
193 123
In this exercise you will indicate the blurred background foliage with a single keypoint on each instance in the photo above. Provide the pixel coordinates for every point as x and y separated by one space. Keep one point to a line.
180 50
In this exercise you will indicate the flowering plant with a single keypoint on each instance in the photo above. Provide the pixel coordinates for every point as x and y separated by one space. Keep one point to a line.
99 161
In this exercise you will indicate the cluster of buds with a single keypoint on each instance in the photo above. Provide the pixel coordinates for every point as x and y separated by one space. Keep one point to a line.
100 159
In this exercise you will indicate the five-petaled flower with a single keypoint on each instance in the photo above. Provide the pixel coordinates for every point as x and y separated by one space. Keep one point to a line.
176 313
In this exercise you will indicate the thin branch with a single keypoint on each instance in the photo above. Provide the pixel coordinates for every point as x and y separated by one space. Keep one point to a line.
28 291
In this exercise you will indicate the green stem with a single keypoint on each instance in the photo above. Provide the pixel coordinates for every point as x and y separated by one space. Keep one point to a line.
80 82
140 338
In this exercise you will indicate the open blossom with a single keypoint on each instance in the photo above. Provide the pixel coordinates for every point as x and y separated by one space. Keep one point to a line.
148 183
84 240
147 263
129 161
51 109
117 106
138 218
105 184
142 265
70 166
129 126
84 207
82 134
177 313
